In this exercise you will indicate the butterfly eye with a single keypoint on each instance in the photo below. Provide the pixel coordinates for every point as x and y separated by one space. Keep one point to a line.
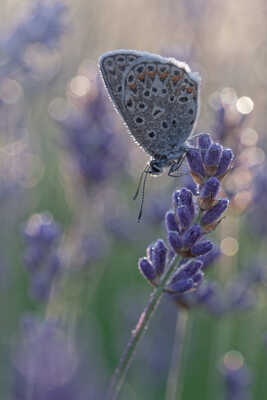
171 98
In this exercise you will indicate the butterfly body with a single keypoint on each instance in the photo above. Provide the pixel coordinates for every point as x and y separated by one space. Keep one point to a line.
158 100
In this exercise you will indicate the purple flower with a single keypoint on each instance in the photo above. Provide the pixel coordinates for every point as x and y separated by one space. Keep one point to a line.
147 269
212 216
208 193
212 164
236 377
225 163
43 25
91 139
41 235
212 158
187 225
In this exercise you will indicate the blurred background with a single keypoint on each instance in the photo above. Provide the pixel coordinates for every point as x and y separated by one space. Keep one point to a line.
70 289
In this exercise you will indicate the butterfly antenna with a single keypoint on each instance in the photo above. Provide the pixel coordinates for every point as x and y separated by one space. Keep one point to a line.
143 194
139 183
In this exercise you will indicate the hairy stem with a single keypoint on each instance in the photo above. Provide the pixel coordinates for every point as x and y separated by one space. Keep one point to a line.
120 373
172 392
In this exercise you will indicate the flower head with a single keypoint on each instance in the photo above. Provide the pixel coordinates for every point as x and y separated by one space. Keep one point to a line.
189 221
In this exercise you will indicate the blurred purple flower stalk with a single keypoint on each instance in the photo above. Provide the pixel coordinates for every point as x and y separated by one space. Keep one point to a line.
192 217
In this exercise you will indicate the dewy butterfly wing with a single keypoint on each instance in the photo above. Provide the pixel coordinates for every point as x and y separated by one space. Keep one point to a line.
156 97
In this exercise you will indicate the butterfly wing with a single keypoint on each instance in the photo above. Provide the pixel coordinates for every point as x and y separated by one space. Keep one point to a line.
156 97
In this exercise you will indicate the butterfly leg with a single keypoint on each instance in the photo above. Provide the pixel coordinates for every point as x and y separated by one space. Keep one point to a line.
176 166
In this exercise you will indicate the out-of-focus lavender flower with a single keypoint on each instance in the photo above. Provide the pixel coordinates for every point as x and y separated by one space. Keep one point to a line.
258 208
48 364
190 220
229 121
236 376
41 235
43 25
89 130
238 295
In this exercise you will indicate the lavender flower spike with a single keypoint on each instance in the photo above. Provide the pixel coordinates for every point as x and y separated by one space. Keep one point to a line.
186 226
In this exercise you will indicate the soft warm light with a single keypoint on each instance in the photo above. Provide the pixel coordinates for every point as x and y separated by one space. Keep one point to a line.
233 360
229 246
249 137
241 177
243 199
252 156
228 96
10 91
35 221
80 85
244 105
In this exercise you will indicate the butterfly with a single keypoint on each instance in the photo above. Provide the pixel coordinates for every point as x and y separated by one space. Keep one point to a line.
158 99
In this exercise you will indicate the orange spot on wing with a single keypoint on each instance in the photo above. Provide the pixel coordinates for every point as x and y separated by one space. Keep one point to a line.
175 79
141 77
151 74
189 90
133 86
163 75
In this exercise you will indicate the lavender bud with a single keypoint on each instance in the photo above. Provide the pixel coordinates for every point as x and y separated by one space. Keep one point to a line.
191 235
176 198
149 252
197 278
187 270
204 142
202 248
208 193
170 222
214 214
146 269
186 199
213 155
225 162
175 241
195 164
184 217
182 286
209 257
159 256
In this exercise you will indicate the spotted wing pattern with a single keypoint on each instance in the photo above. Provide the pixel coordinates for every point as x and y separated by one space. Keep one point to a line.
156 97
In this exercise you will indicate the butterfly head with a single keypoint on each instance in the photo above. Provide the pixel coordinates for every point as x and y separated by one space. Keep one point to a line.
156 167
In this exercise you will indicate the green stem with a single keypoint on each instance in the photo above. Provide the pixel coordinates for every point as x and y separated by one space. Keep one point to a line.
172 392
120 373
